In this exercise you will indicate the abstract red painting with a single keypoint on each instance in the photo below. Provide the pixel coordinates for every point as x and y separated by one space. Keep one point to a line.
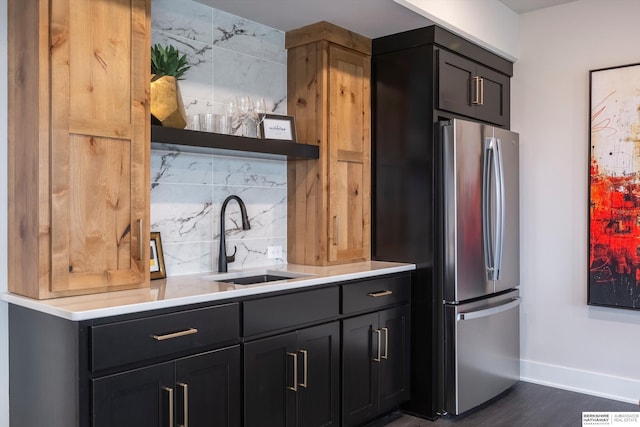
614 187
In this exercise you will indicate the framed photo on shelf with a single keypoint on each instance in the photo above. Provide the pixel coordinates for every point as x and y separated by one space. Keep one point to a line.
156 257
614 188
273 126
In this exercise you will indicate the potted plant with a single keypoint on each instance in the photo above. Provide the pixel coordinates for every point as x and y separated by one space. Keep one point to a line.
167 67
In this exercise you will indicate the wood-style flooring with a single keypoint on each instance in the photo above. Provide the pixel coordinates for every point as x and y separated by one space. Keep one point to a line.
525 405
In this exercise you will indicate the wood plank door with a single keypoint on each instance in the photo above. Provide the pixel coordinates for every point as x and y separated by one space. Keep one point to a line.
349 128
99 145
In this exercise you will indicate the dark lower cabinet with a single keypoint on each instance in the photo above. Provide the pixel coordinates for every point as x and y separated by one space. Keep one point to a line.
375 364
290 361
208 389
133 398
293 379
200 390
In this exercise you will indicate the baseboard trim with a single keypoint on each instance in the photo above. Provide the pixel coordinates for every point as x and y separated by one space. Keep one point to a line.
591 383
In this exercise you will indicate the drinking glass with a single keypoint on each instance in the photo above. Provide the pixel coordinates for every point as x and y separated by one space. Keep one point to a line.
261 106
193 122
206 122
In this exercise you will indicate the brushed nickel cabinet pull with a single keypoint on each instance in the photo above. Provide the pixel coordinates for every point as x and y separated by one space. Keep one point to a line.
140 242
304 368
380 293
189 331
379 334
295 371
481 88
475 99
386 344
185 404
170 391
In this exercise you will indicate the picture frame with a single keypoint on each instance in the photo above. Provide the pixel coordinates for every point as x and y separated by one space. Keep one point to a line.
156 257
273 126
614 188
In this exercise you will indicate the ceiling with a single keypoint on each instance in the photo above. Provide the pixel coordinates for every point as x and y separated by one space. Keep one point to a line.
523 6
371 18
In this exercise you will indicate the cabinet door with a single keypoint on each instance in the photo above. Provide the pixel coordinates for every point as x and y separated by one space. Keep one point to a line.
208 389
319 376
496 97
359 369
454 80
349 151
99 145
268 381
394 366
137 398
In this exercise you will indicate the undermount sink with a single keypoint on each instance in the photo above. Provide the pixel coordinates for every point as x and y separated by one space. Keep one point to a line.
253 277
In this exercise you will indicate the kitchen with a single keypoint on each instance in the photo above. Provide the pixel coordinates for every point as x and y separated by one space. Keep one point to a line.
550 87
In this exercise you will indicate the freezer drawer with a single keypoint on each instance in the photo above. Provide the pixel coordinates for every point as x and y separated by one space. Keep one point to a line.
482 350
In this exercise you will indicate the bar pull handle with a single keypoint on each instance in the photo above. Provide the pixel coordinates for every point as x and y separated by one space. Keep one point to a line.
379 336
295 371
189 331
380 293
169 390
335 231
185 404
386 344
476 91
481 89
489 311
304 368
140 242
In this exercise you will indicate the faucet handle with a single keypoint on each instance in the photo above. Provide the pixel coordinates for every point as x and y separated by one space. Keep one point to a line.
232 257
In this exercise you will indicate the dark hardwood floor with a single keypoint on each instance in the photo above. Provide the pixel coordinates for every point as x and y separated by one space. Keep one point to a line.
525 405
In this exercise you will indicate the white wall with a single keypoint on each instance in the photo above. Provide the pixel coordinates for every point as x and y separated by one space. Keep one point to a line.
566 343
4 339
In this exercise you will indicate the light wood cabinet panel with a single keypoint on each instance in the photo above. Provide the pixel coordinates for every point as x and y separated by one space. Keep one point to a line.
79 131
329 94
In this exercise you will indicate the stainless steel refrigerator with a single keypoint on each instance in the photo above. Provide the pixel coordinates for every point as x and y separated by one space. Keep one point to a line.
478 235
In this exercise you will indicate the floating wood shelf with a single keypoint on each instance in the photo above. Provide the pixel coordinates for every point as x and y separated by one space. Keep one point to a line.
230 145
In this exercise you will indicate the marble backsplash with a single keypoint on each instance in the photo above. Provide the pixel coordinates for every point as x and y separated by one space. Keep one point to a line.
230 57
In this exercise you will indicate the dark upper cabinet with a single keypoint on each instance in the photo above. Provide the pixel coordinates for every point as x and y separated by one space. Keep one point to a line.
293 379
467 88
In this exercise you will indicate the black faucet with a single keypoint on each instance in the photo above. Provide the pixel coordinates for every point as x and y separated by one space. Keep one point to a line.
223 259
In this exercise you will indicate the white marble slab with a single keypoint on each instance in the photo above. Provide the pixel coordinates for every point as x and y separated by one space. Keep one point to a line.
230 57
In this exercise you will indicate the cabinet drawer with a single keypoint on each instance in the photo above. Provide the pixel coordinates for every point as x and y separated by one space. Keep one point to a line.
375 294
283 311
117 344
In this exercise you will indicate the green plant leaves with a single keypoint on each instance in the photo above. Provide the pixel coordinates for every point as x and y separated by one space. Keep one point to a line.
166 61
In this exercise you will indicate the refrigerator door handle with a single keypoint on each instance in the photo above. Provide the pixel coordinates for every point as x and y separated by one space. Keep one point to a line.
489 311
500 209
487 232
492 213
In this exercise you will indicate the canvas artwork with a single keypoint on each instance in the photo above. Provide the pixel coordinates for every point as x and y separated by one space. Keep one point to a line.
614 188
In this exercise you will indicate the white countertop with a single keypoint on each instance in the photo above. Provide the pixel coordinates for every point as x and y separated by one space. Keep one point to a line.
182 290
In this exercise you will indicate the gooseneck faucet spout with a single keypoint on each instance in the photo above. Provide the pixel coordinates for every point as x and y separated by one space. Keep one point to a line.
223 259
